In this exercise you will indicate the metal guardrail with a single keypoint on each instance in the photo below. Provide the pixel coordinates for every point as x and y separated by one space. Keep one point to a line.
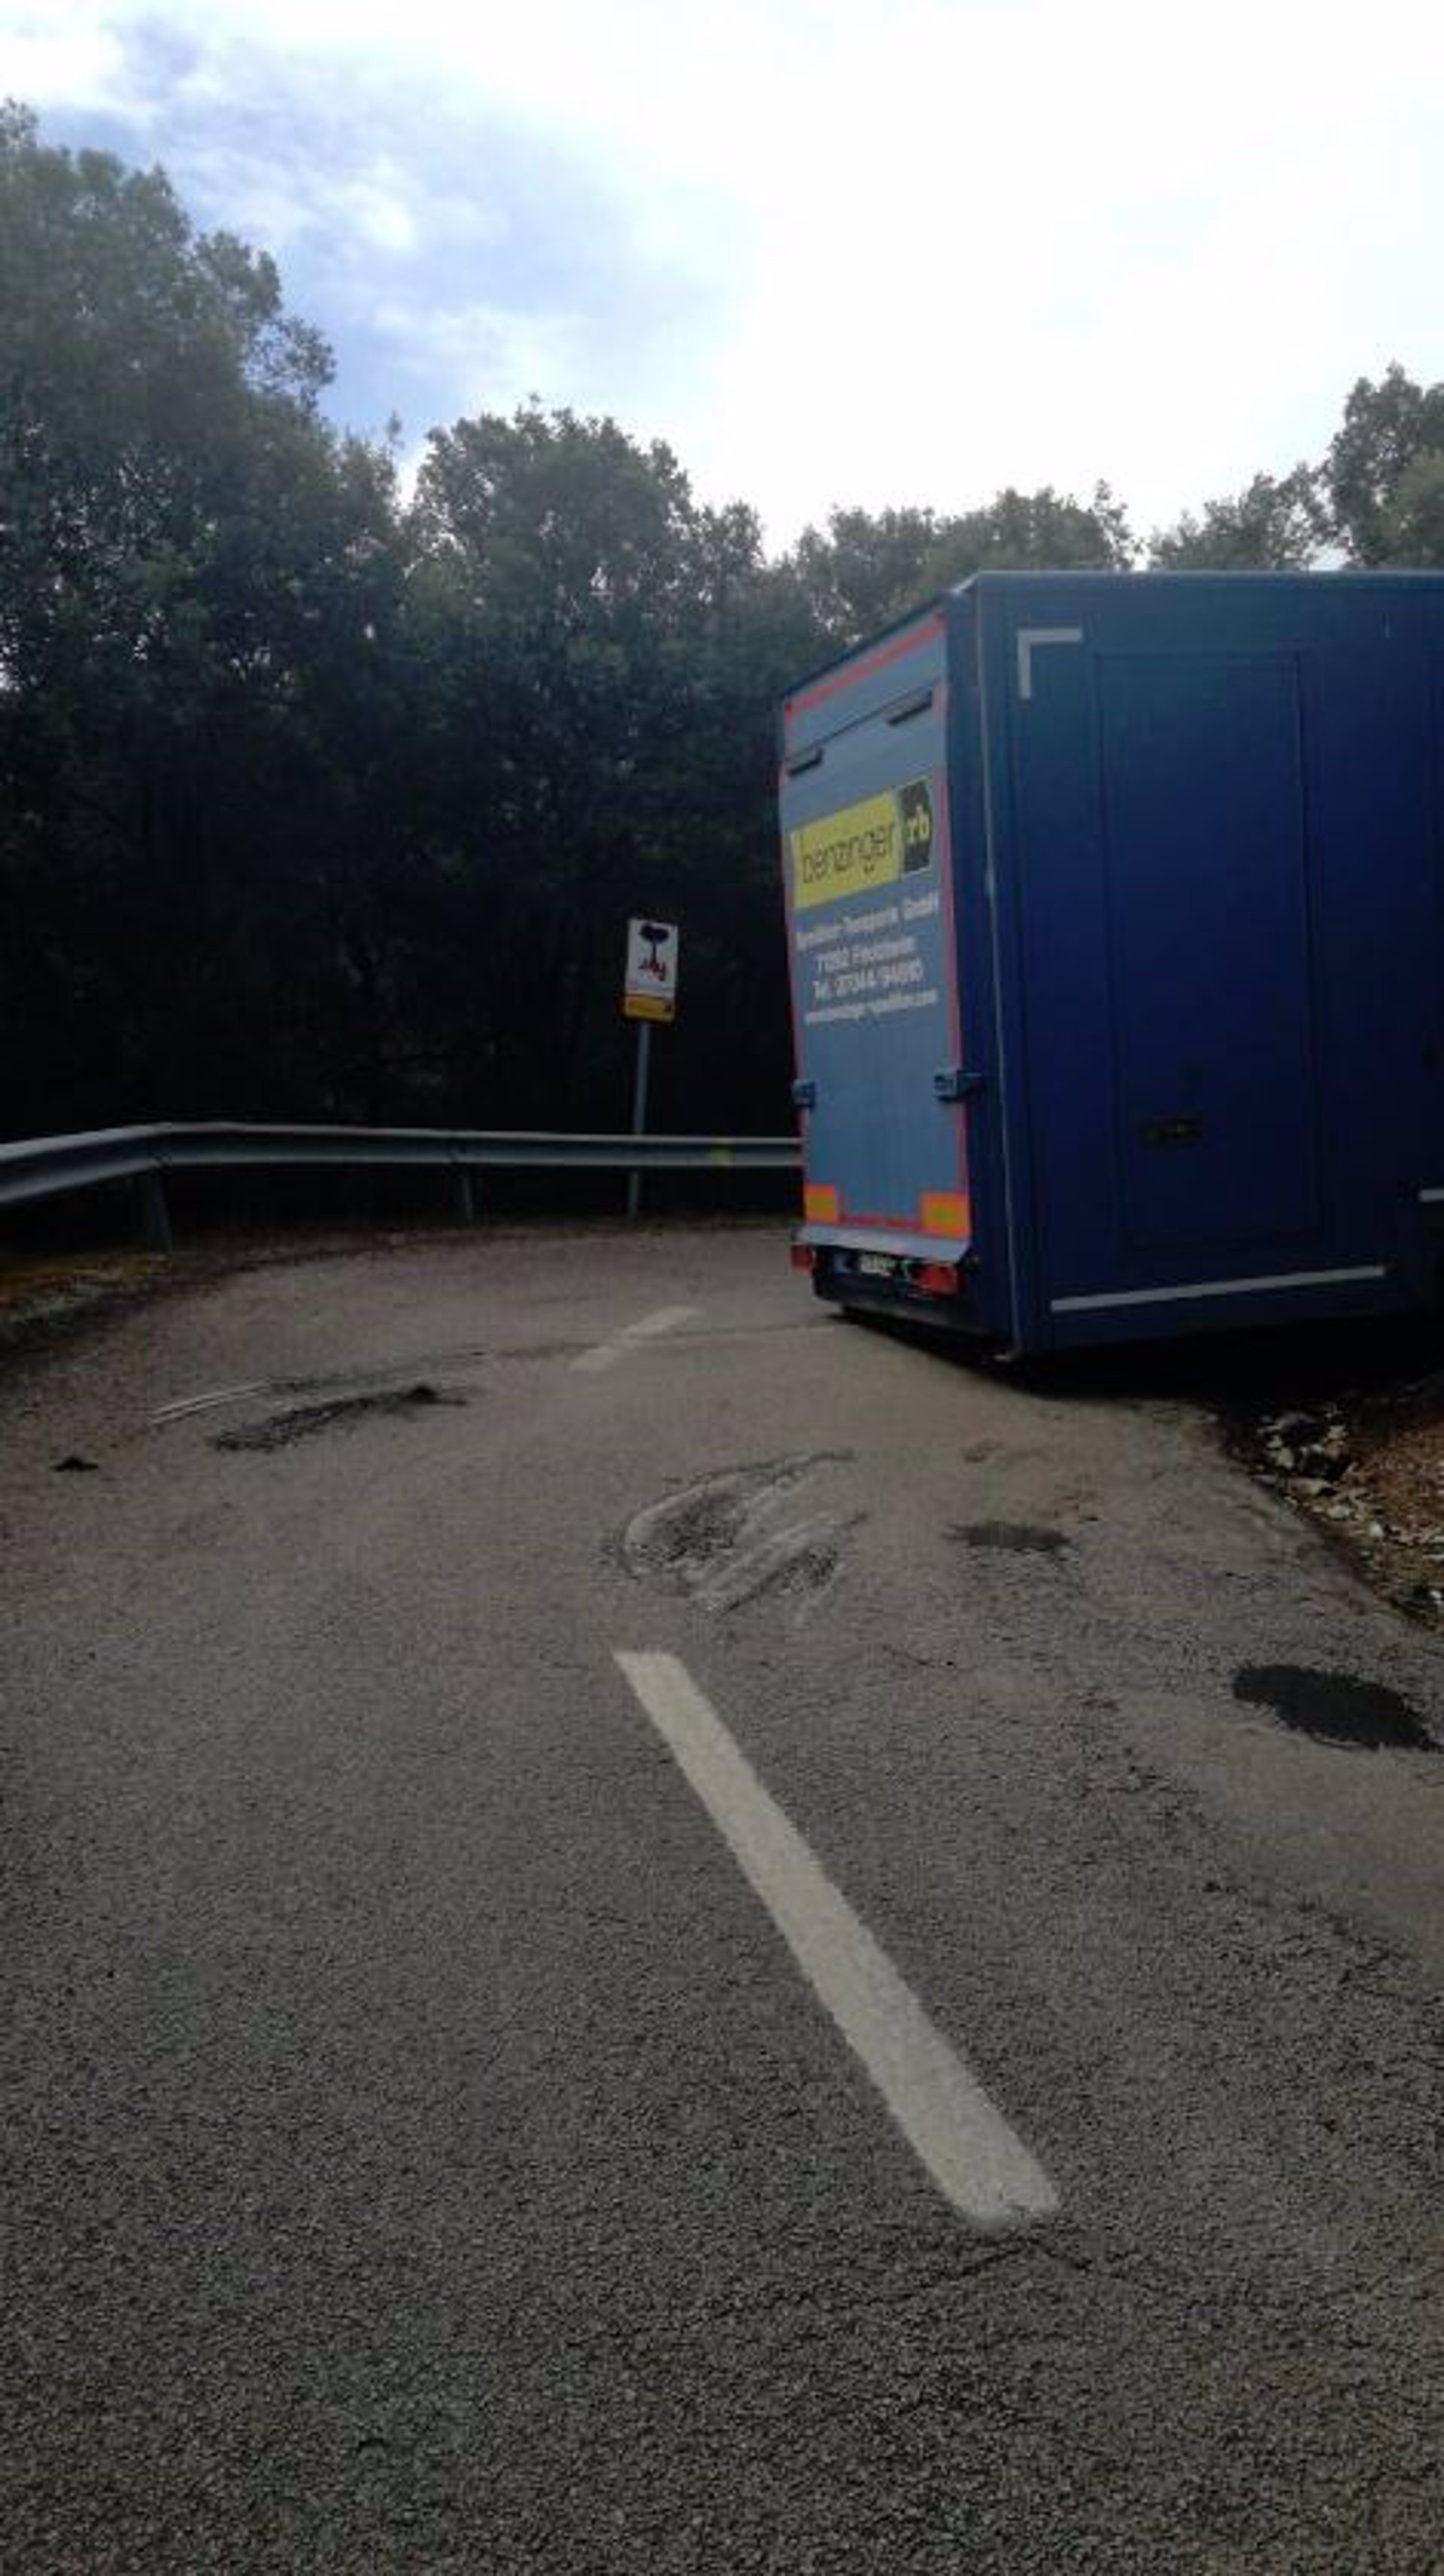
47 1166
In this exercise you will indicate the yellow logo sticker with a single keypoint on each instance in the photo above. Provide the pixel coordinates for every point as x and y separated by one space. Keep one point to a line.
863 846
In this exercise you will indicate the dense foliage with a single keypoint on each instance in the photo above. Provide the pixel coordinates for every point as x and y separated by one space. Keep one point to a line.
322 800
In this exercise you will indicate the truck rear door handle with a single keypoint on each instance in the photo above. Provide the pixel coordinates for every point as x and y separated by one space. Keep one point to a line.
1173 1131
954 1082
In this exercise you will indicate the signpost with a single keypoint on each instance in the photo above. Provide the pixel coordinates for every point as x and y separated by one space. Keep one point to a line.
649 993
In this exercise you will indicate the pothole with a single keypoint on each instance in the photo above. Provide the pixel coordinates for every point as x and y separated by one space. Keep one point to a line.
1012 1538
342 1413
735 1536
1335 1708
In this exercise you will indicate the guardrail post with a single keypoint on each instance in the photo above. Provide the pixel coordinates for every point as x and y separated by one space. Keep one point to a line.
155 1211
465 1196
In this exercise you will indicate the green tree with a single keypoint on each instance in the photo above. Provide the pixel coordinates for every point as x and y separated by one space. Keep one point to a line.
185 551
1387 429
865 569
1044 531
1412 528
603 651
1277 524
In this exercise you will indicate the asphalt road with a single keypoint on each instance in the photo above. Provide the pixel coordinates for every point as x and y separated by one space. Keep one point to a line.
904 2071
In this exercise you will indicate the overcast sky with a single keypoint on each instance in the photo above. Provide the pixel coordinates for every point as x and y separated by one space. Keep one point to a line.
832 250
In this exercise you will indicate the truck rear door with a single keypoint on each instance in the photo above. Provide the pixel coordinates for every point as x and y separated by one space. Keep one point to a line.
868 865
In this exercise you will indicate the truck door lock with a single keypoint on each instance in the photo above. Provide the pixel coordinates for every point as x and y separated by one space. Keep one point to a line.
953 1082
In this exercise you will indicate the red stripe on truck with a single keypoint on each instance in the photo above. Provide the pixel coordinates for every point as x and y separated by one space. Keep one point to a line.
886 655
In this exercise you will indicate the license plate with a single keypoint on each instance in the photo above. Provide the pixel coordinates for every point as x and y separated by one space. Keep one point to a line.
875 1265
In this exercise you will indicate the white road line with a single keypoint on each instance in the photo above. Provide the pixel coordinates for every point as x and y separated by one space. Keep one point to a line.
605 1355
976 2160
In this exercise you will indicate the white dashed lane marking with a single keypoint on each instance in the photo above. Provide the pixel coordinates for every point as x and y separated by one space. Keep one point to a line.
977 2161
605 1355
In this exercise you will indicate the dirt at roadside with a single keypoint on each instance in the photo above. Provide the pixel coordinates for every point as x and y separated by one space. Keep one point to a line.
1366 1464
34 1292
45 1297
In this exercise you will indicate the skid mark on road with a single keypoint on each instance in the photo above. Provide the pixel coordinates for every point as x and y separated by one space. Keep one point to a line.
324 1382
605 1355
1011 1538
725 1540
212 1402
305 1421
960 2137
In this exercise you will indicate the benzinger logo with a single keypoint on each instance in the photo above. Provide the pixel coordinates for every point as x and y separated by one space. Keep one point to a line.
859 849
915 806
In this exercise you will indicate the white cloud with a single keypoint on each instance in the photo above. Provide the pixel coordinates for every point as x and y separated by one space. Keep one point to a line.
377 204
496 355
927 246
50 57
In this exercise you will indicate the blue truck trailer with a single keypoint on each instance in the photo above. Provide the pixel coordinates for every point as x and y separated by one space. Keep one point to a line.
1115 913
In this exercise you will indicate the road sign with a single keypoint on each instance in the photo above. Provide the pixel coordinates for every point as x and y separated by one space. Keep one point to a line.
649 989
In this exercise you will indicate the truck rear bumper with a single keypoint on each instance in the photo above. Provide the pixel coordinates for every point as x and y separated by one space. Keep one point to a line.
922 1278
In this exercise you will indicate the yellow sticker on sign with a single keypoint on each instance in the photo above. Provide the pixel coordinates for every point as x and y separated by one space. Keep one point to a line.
863 846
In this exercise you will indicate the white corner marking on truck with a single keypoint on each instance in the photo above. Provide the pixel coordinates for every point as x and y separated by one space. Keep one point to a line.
1029 639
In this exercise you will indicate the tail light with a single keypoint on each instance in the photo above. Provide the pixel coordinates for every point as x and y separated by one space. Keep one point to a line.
802 1256
937 1278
